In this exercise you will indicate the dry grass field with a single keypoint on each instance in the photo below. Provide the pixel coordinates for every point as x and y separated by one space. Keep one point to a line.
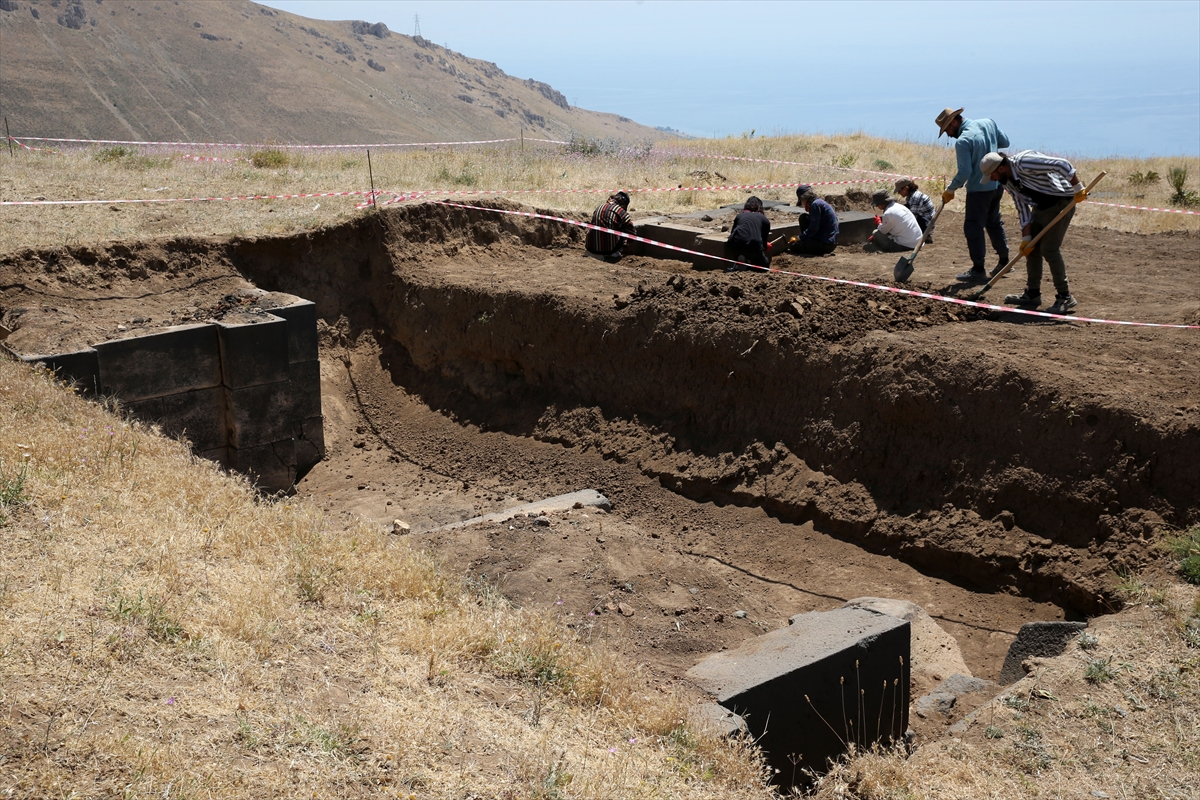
589 168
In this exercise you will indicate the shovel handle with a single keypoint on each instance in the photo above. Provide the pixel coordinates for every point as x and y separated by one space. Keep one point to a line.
932 222
1036 239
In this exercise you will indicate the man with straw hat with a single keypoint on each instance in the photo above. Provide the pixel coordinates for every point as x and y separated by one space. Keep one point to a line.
1041 186
976 138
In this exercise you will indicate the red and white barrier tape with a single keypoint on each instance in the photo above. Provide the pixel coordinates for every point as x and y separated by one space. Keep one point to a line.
180 199
279 146
843 281
1141 208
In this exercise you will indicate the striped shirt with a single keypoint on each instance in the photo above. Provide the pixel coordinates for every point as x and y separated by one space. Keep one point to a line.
920 205
612 216
1036 180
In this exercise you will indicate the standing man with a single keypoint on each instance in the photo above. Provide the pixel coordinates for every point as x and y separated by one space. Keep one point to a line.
1042 187
612 214
821 236
976 138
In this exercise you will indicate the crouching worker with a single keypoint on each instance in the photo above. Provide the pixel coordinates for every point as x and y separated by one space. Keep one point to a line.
748 236
821 236
918 203
1042 187
898 229
614 216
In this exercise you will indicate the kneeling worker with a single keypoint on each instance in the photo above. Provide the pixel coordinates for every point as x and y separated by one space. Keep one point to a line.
748 236
821 236
898 229
918 203
613 215
1041 187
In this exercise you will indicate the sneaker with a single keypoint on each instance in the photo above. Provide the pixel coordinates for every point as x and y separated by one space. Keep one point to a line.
1024 300
972 276
1063 304
614 256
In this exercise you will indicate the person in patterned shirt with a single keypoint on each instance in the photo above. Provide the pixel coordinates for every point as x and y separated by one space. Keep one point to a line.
613 214
918 203
1042 187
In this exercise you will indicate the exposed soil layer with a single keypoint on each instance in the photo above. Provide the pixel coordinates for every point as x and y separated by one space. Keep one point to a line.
793 441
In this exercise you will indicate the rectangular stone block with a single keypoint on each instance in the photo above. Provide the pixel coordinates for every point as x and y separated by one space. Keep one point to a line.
258 415
711 244
271 466
254 349
81 367
301 318
806 691
217 454
671 233
305 378
854 227
176 359
198 416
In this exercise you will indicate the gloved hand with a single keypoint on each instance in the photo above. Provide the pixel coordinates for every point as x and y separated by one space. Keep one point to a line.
1081 195
878 220
1026 245
947 196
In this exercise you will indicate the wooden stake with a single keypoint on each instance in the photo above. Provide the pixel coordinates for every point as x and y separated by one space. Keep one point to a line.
371 172
8 138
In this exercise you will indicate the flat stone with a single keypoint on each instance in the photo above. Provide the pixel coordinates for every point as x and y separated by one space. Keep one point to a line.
724 722
170 360
585 498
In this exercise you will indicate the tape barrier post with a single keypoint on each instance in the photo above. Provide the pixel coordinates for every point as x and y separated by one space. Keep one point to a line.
8 138
371 172
843 281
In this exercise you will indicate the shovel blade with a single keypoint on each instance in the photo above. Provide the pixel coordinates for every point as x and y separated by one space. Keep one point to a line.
903 269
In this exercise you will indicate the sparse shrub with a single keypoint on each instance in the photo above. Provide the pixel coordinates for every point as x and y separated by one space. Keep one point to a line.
992 732
1087 641
147 610
1177 177
880 164
1099 670
1185 547
463 178
845 160
107 155
269 158
1144 178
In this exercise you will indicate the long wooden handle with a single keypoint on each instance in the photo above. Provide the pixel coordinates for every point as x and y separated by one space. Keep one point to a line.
926 232
1037 238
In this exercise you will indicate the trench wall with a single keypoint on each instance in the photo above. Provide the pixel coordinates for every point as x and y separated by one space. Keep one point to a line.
873 440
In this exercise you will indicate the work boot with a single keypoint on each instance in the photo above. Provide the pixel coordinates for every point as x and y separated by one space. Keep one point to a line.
614 256
1063 304
972 276
1025 299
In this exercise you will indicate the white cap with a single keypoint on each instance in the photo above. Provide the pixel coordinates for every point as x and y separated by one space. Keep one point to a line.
989 164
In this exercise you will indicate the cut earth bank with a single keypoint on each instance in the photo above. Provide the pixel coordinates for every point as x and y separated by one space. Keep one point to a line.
770 444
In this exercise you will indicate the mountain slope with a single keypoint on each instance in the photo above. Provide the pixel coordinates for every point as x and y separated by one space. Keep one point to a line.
237 71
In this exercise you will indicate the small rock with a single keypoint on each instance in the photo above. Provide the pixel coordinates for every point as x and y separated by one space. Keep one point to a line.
362 486
600 540
1098 793
719 618
626 611
706 218
400 526
541 522
740 614
694 590
122 328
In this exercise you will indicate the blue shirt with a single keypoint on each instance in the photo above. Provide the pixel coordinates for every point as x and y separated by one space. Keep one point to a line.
976 139
822 223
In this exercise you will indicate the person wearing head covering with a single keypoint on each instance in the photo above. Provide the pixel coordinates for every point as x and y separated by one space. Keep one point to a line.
748 236
918 203
975 139
898 229
613 215
820 237
1042 187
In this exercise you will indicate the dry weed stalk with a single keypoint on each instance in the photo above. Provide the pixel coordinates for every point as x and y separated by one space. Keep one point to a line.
166 633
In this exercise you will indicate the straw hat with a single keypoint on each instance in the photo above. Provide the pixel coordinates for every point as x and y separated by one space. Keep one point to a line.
944 119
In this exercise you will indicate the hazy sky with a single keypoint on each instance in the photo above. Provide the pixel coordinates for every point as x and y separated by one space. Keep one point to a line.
1075 78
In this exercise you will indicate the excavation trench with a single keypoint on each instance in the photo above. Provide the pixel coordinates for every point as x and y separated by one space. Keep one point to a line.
818 403
886 421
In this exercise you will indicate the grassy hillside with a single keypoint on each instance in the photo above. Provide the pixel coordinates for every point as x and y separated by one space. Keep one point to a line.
237 71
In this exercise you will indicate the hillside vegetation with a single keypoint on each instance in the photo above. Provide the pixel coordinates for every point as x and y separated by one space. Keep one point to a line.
563 178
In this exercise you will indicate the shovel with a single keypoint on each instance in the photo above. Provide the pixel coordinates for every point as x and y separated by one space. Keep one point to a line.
1035 240
904 267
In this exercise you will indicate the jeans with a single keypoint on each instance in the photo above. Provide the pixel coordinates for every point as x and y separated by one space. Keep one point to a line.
810 247
1049 247
983 213
886 244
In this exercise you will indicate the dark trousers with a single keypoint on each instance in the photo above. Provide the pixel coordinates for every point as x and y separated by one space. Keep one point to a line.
752 253
983 213
1050 247
808 247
